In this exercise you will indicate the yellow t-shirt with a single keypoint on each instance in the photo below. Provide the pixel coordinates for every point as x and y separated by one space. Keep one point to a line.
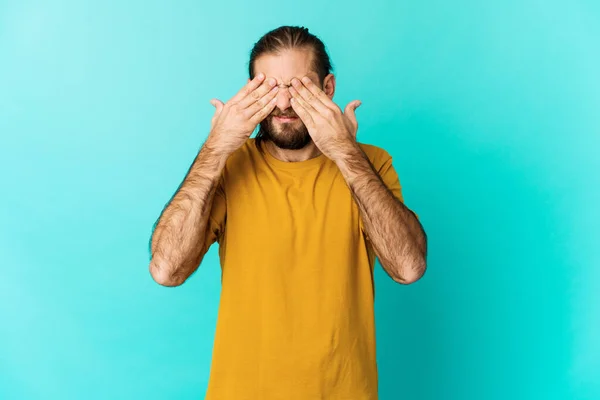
296 314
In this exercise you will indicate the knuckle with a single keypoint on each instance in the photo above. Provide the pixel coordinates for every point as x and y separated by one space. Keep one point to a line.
247 114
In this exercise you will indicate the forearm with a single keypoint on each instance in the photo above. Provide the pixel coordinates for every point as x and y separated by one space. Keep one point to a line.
394 231
176 243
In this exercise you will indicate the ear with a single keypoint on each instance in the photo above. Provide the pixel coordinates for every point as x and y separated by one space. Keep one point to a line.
329 85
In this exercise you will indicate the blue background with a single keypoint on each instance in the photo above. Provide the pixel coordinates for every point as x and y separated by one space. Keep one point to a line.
490 110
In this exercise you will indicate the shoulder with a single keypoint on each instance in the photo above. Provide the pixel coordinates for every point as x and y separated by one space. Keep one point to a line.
249 152
377 155
242 156
246 161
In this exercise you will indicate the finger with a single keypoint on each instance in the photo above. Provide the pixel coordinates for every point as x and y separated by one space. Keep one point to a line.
264 112
262 102
218 104
303 102
302 112
257 93
308 96
319 93
248 88
350 111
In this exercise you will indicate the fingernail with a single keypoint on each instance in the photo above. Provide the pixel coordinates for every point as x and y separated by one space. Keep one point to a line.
306 79
261 75
272 81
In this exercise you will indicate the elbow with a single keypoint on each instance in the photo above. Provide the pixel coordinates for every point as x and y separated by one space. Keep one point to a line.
161 275
408 273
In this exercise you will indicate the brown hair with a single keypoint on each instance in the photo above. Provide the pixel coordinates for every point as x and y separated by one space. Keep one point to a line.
291 37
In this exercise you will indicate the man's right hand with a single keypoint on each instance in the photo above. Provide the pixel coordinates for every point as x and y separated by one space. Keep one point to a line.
234 121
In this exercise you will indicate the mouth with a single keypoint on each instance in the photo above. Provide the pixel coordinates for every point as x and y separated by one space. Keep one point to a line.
285 119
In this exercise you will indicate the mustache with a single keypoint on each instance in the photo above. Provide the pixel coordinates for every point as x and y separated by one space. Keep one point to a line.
280 114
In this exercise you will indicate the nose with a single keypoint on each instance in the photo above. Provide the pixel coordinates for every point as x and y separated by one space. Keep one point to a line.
283 98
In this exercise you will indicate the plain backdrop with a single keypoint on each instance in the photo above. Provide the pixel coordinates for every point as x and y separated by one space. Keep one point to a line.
491 111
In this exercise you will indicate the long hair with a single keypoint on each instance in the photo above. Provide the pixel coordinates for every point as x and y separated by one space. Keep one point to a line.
285 38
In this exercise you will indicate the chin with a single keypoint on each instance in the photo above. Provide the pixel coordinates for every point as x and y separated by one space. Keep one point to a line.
286 142
284 137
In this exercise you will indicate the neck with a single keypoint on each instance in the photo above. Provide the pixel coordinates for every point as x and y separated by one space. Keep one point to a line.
306 153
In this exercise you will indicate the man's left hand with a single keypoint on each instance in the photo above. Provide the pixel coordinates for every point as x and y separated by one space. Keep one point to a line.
331 130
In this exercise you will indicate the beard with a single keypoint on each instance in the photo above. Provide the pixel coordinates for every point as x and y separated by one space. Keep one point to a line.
285 135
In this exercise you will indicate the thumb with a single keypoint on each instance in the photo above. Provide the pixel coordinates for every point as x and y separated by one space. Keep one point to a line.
218 104
350 109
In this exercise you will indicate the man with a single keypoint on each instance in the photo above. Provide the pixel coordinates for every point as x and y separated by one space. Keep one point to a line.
299 212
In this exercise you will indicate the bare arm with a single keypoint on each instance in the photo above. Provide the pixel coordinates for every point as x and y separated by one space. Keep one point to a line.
178 241
177 244
397 236
395 232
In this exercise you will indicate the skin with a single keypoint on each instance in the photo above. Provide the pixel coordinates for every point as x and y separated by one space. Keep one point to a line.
291 88
177 243
283 67
397 236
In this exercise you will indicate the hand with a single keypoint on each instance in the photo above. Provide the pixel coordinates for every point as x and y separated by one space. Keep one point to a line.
233 122
330 129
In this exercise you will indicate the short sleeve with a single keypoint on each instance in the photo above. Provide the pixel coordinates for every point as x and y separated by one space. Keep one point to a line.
389 176
381 161
216 222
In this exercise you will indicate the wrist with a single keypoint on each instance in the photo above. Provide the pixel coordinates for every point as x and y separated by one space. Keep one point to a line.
214 145
212 155
347 150
353 163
